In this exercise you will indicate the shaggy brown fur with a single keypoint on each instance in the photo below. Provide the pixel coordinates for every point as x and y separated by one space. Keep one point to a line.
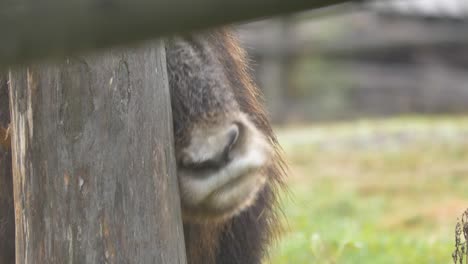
223 82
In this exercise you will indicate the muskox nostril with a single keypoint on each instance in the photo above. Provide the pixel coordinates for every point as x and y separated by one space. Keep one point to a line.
211 151
232 135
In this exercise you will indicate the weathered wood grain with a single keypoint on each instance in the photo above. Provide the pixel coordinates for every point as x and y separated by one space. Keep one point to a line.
93 165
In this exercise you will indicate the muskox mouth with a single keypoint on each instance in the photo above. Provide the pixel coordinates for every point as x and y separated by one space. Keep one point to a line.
227 199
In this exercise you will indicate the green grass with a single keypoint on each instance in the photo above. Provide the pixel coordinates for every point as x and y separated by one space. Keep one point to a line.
387 191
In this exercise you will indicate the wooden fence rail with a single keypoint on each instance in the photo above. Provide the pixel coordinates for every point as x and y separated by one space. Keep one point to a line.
37 29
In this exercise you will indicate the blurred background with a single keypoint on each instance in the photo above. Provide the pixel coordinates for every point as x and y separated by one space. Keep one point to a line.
370 103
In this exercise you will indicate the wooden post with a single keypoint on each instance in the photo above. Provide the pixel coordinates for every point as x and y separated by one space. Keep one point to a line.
93 164
7 217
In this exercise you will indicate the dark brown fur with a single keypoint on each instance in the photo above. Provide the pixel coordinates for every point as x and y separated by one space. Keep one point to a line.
245 237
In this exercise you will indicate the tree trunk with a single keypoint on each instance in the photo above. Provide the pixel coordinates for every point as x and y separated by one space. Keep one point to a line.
93 164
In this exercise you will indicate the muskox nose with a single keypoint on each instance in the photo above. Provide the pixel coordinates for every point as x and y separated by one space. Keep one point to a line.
220 170
213 149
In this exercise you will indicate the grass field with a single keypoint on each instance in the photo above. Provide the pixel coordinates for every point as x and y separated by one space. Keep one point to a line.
385 191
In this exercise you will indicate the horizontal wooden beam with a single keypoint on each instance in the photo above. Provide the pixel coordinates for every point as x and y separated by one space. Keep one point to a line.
33 30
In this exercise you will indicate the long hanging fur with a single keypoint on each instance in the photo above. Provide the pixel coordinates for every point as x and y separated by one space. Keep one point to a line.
219 63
